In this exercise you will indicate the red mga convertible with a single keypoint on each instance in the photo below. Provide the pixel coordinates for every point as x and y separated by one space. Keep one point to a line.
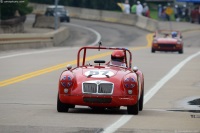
167 40
102 84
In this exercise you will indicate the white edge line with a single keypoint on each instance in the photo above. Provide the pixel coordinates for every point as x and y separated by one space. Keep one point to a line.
58 49
92 30
125 118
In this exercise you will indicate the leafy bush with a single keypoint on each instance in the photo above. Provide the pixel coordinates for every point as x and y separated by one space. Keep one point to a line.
9 8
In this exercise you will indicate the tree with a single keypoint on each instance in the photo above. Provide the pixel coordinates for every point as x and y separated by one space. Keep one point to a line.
9 8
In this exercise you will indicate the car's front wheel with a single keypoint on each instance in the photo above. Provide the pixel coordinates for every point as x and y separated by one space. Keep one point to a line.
62 107
133 109
153 50
180 51
141 101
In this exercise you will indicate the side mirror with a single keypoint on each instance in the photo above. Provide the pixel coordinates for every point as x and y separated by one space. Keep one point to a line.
135 69
69 67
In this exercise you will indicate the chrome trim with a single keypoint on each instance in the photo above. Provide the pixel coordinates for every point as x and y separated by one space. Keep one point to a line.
98 87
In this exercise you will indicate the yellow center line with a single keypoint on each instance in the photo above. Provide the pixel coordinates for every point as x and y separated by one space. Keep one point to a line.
63 65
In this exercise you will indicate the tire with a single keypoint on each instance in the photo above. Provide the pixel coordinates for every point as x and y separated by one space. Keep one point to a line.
133 109
68 20
141 101
152 50
180 51
199 19
62 107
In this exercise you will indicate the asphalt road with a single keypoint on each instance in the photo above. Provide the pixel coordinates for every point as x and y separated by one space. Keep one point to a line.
29 78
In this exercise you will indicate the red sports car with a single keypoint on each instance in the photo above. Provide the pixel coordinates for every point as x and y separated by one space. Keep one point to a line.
102 84
167 40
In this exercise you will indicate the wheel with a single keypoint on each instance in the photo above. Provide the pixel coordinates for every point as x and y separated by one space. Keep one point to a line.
68 20
133 109
153 50
62 107
141 101
180 51
199 19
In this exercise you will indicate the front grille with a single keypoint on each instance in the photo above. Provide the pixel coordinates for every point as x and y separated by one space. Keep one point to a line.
97 87
166 45
97 100
89 88
105 88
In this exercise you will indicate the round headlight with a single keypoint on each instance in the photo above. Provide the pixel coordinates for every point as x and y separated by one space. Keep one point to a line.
178 42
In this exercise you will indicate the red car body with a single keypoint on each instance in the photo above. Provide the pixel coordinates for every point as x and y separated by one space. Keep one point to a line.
163 41
101 85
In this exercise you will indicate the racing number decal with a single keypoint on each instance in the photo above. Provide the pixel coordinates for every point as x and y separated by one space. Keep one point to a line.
99 73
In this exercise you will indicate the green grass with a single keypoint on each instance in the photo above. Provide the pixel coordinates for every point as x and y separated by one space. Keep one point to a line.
154 14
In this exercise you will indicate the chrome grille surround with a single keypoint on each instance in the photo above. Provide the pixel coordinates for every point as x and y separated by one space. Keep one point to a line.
98 87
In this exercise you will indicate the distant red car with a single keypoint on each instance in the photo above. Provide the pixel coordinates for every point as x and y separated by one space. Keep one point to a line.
195 15
101 85
167 40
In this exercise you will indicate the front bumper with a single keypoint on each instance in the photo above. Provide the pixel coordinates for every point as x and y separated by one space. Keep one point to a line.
99 100
167 47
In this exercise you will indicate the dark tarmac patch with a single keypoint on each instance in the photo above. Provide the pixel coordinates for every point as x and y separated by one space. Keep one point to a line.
192 111
122 130
46 129
195 102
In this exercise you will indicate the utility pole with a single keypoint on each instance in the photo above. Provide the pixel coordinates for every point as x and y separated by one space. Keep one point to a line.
56 15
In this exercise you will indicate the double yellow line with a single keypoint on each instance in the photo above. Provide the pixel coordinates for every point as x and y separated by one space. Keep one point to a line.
63 65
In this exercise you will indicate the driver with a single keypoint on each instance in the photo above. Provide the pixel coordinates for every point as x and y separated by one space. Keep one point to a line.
174 34
117 58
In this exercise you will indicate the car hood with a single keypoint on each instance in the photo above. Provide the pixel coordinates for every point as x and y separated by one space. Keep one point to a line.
100 73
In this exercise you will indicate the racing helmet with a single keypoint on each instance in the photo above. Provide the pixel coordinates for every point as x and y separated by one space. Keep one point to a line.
117 55
174 34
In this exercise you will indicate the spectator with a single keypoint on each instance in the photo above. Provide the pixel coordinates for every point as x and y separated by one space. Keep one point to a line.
168 12
133 8
160 9
179 12
127 7
139 8
146 12
163 13
176 15
186 13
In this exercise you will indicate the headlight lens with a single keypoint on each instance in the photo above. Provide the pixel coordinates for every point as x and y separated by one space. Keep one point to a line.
66 81
155 41
178 42
129 83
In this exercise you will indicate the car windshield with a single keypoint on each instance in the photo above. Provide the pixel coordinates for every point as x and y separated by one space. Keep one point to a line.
60 10
107 58
164 34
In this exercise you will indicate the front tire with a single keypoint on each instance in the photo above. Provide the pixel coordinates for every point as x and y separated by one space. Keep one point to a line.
61 107
180 51
133 109
153 50
141 101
